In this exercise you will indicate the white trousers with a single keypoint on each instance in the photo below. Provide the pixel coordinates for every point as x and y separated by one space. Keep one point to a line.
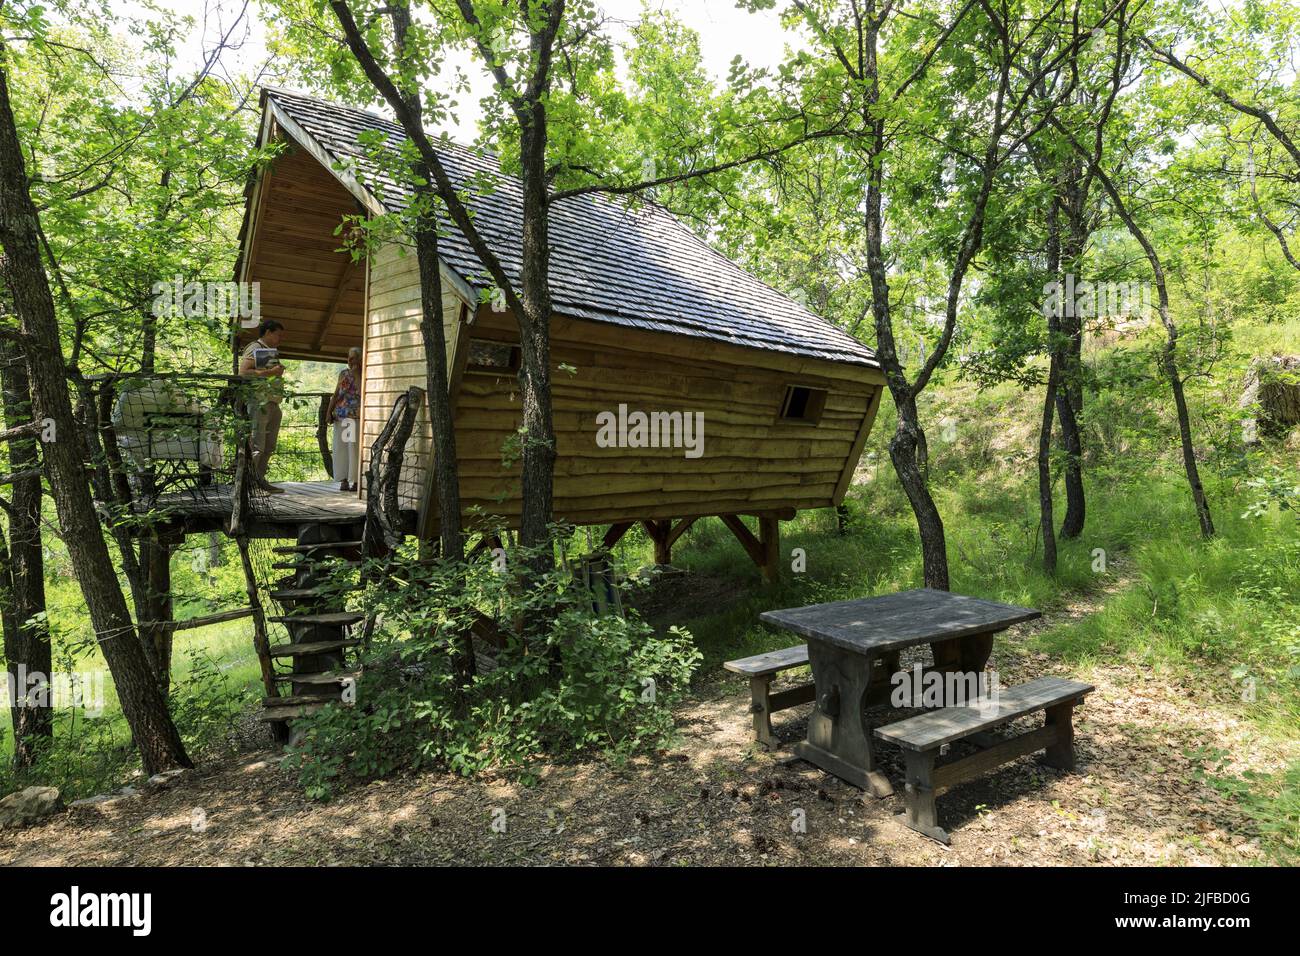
346 458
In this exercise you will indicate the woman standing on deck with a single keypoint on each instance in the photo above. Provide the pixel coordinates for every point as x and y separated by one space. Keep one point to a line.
344 412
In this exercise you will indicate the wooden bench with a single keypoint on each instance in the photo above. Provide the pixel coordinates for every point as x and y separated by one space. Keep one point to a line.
760 669
922 737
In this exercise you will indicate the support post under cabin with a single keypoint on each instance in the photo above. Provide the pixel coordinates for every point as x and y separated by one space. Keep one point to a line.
765 549
658 532
769 537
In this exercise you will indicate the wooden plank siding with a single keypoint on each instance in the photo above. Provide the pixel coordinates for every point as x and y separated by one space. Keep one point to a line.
394 361
752 460
661 337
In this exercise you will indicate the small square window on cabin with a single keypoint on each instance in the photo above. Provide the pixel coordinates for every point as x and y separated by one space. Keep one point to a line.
803 404
492 357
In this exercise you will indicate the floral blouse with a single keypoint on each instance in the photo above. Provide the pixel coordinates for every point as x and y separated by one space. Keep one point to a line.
348 395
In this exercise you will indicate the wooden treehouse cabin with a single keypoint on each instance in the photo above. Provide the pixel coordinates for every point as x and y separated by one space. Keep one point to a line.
682 386
648 319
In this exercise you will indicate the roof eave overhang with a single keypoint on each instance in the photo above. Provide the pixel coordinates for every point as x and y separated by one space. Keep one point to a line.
273 115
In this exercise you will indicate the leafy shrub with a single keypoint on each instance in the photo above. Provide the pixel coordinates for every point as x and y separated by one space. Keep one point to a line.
204 703
580 683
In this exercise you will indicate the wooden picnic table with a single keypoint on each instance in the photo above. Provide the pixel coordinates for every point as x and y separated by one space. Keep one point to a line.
853 649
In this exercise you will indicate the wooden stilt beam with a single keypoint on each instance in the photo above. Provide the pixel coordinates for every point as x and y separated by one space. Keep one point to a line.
746 537
765 549
615 534
664 534
489 542
769 537
680 529
659 531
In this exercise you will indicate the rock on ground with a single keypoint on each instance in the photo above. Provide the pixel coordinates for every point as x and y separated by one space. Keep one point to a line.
29 806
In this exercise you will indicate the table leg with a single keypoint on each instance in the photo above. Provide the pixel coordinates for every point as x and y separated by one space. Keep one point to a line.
839 740
969 654
962 656
975 652
882 673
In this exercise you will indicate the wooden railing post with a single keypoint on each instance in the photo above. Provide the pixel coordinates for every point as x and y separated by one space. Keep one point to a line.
322 428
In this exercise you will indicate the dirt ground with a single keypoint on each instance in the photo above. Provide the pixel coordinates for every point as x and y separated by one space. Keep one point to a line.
715 799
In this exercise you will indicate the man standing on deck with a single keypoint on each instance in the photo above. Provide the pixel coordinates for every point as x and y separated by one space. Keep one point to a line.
261 360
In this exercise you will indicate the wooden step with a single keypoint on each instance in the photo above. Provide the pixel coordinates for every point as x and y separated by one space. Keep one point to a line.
310 647
327 564
300 594
289 713
329 677
318 546
328 618
290 701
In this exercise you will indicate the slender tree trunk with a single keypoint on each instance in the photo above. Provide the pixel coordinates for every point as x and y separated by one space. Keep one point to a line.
535 342
26 636
1051 392
433 335
532 306
1169 354
143 706
154 605
1045 471
906 446
109 481
446 469
1170 363
1071 439
157 564
903 453
1069 390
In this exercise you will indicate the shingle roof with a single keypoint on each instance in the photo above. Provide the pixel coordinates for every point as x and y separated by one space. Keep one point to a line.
631 264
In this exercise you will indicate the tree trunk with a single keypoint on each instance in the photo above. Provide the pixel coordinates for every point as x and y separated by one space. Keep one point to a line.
1045 470
1051 392
1170 363
109 481
143 706
1169 355
27 637
155 561
1069 386
446 469
532 307
433 335
1072 441
154 557
535 346
906 446
903 452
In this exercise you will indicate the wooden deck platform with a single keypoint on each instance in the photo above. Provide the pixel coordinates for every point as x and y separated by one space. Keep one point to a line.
273 516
